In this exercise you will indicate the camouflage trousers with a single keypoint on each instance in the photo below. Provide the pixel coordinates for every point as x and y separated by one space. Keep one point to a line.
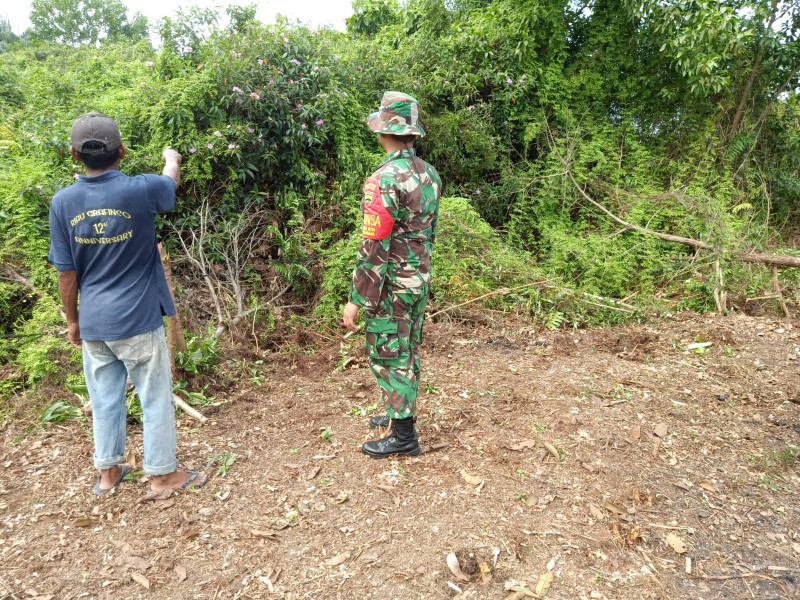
393 334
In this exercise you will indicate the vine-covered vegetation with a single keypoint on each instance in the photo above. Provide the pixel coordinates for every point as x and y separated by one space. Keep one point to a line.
680 116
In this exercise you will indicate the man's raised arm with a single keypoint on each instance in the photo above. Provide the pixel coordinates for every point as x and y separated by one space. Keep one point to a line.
172 165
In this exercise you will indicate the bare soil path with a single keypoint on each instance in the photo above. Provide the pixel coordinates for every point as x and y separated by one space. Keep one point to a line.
593 464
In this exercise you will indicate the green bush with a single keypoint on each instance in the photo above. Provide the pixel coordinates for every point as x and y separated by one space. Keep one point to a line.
514 94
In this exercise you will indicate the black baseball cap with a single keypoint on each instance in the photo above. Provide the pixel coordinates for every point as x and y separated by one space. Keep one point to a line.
95 127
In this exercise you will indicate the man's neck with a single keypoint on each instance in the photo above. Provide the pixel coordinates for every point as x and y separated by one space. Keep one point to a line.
95 172
391 144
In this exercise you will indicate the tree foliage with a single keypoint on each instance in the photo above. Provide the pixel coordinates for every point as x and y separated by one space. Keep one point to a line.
76 22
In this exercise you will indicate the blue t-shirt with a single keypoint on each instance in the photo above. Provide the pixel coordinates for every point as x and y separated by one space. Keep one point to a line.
103 228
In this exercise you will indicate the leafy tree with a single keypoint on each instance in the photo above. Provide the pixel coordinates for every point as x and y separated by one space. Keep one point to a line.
7 36
77 22
370 16
241 16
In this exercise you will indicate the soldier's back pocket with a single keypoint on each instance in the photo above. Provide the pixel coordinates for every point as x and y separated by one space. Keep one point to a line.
383 341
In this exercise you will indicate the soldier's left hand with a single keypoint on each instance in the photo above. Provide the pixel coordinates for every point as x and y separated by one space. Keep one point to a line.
349 316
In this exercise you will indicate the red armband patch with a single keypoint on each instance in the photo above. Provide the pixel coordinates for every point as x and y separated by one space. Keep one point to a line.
378 223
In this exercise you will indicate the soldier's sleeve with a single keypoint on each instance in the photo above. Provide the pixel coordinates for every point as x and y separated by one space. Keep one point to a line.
378 209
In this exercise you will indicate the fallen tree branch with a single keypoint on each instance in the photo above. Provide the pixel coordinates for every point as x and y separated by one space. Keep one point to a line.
86 409
20 279
188 409
781 260
502 291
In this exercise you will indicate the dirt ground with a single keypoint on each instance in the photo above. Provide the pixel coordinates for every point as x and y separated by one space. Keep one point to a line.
611 464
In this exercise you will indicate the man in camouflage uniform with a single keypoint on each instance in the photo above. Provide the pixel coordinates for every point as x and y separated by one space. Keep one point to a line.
393 268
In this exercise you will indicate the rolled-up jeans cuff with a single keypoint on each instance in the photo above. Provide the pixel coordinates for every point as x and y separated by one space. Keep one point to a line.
107 463
166 470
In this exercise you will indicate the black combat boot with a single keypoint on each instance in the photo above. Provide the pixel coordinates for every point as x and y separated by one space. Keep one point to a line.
401 441
379 421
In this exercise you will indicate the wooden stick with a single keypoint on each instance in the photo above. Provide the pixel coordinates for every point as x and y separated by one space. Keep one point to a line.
725 577
503 291
778 292
188 409
192 412
176 341
605 306
767 297
720 295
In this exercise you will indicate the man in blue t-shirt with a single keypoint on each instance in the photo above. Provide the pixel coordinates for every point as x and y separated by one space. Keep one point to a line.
103 244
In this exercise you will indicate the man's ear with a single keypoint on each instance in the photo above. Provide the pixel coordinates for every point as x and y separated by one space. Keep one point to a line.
123 151
74 154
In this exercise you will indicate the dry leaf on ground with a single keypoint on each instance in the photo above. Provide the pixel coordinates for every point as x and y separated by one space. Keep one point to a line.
156 495
470 479
676 543
180 573
85 522
522 445
140 579
338 559
552 450
269 535
455 568
486 573
708 486
636 432
138 563
661 430
544 582
596 512
613 508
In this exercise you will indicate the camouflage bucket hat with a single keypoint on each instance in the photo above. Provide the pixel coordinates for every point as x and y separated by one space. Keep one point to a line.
398 115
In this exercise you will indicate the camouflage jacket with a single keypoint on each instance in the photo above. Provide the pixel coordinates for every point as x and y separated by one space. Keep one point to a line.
400 207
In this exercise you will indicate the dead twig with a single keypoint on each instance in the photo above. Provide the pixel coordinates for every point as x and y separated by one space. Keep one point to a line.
501 291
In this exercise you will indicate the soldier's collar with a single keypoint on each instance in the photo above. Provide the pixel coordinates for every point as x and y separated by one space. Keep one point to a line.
404 153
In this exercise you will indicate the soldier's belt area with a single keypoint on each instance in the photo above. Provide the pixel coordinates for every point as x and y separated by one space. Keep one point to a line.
423 235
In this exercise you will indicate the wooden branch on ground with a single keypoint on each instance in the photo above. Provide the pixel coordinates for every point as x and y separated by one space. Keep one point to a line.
502 291
767 297
20 279
192 412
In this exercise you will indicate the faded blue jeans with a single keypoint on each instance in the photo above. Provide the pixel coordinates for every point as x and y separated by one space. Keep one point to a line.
107 366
